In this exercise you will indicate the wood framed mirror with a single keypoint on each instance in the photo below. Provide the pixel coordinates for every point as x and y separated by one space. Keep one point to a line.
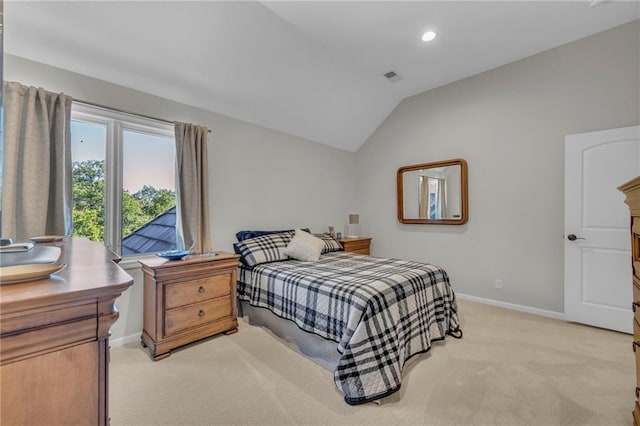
433 193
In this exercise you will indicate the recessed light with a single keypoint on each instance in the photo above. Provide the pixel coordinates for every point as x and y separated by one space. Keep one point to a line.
428 36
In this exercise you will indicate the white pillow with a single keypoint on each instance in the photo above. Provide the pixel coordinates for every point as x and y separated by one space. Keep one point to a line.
304 246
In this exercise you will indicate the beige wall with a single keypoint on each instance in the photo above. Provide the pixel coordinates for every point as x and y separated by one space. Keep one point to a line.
259 178
509 124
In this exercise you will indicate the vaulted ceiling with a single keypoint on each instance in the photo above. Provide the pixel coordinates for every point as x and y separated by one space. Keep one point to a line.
311 69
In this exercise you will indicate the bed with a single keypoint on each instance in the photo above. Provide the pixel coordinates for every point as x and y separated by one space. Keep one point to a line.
376 312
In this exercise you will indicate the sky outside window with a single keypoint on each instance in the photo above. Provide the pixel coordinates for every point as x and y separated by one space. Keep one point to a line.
88 141
147 159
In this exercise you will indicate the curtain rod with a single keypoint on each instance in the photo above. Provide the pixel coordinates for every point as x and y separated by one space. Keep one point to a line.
126 112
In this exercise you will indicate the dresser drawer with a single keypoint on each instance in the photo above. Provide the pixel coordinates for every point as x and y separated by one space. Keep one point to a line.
636 348
39 318
636 299
197 314
56 337
188 292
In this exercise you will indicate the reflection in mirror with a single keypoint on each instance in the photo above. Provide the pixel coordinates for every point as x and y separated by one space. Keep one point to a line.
436 193
433 193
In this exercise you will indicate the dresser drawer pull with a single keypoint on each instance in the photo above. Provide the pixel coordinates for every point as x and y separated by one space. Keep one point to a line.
634 305
637 392
201 313
201 290
635 345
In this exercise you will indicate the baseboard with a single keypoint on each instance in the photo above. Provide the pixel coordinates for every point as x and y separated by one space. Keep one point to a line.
121 341
512 306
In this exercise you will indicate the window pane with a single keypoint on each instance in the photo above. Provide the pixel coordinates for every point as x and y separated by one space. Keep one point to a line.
148 193
88 150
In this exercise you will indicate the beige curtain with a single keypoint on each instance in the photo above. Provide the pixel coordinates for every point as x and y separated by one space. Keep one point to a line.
443 197
424 198
192 194
36 177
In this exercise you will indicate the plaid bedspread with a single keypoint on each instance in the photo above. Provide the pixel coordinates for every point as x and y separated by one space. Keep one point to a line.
379 311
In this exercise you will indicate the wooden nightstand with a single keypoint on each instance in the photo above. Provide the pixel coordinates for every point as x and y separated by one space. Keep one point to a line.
360 245
187 300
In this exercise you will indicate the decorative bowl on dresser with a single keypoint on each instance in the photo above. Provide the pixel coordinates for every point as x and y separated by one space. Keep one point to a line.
631 190
187 300
358 245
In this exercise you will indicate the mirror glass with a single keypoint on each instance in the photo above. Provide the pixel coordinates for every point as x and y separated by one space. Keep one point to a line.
433 193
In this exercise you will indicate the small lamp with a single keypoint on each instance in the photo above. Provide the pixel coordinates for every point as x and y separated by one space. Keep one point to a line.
353 225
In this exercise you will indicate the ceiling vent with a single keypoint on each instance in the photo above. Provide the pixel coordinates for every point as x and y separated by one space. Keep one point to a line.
392 76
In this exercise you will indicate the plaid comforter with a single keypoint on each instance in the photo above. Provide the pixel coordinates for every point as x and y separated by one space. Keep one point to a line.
379 311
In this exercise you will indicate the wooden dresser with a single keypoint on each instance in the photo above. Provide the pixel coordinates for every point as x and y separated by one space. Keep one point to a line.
54 340
360 245
631 190
187 300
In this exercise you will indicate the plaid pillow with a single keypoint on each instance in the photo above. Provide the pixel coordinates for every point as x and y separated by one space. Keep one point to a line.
329 243
264 249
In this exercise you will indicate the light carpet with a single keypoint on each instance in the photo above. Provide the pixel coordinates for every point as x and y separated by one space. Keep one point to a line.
510 368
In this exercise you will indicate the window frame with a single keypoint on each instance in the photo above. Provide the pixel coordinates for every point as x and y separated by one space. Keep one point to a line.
116 124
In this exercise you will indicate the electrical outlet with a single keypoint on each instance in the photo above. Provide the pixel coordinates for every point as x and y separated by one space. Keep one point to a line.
498 283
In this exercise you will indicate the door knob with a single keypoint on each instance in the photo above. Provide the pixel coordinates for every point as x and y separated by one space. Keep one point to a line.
572 237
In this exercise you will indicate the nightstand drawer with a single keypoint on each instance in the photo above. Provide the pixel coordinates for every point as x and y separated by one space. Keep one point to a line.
191 316
364 251
360 245
188 292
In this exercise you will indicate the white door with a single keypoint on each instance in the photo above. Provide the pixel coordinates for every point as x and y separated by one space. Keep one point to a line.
598 260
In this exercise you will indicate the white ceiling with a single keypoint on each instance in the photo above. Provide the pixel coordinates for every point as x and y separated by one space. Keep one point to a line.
311 69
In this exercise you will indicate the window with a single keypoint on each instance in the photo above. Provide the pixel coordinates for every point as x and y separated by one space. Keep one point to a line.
123 180
432 198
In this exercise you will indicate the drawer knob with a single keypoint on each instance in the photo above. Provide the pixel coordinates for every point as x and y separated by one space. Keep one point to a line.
634 305
635 345
637 392
201 313
201 290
